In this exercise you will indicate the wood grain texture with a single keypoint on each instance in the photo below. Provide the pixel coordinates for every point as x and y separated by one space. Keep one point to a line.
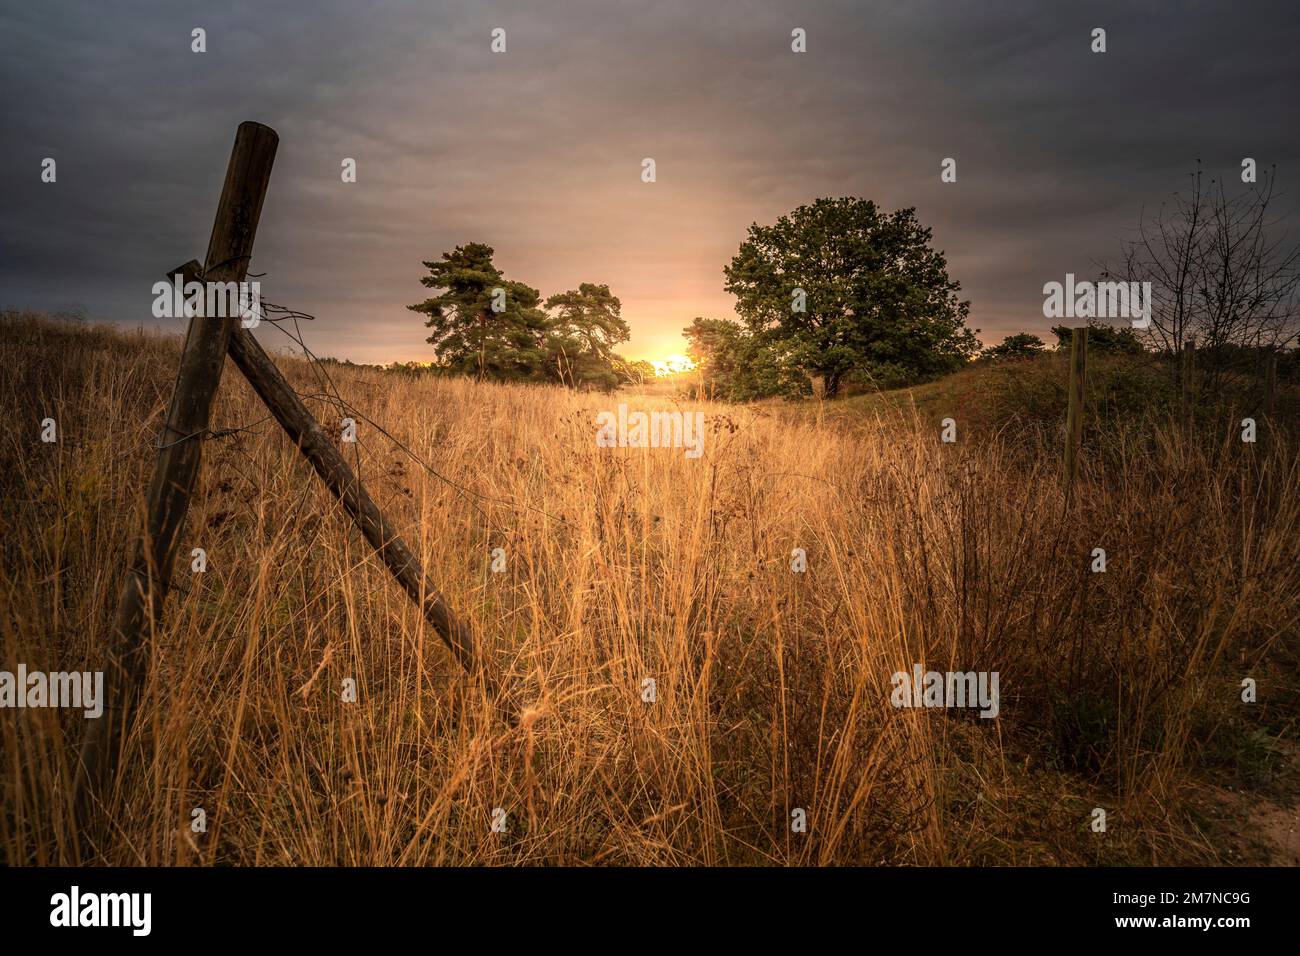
179 455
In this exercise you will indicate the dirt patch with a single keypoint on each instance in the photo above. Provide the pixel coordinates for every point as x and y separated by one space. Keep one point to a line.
1254 827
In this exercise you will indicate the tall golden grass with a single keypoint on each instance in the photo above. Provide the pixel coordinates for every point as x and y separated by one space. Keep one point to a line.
773 687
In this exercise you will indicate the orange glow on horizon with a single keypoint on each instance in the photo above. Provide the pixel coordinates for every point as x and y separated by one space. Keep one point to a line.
672 365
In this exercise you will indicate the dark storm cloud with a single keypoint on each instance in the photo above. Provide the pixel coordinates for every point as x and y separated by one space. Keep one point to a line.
538 151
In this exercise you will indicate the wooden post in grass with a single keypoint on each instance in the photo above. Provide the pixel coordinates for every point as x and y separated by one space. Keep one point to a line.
306 433
1074 417
1185 379
179 450
310 438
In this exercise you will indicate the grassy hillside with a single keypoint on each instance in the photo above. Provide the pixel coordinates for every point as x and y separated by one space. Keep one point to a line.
1125 395
1120 690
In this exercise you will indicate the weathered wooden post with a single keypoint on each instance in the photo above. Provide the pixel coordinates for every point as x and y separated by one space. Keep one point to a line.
1074 416
310 438
1185 377
203 355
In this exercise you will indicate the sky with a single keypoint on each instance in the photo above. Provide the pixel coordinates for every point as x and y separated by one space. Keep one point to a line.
538 151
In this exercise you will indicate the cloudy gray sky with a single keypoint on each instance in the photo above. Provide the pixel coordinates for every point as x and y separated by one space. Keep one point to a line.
538 151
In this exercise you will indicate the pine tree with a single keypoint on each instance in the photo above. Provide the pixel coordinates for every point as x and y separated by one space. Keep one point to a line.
585 326
482 323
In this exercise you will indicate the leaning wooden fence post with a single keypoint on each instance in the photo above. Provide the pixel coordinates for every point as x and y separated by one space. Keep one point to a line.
306 433
1074 417
310 438
1185 377
203 355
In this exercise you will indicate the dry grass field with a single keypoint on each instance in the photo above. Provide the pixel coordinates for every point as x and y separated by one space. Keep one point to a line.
1119 690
